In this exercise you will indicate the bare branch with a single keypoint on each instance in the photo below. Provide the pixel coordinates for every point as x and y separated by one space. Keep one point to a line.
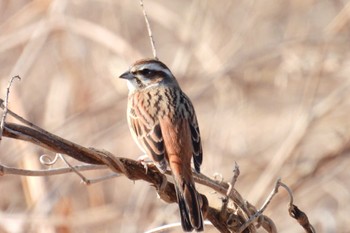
149 30
134 170
226 220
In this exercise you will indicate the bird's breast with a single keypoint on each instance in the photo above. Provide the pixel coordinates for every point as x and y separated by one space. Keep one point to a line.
158 103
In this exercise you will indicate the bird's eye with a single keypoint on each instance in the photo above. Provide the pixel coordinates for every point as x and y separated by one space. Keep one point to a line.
146 72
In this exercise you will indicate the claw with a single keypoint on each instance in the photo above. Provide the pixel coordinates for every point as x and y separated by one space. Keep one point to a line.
145 166
144 160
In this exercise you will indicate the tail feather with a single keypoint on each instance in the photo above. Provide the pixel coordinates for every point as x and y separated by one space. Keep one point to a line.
185 220
191 215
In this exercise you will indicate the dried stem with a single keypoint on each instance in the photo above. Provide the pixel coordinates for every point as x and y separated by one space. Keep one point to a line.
5 170
154 51
83 178
262 209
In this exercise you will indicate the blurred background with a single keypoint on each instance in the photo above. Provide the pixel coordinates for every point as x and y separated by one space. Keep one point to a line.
269 80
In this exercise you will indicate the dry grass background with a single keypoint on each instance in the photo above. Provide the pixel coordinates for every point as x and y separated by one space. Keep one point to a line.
270 82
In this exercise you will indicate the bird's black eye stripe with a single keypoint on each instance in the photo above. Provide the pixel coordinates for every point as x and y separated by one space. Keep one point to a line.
151 73
147 72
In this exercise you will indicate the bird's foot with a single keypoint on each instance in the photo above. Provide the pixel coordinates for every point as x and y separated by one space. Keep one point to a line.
144 160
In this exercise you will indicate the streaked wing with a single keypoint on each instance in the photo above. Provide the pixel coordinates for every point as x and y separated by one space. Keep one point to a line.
196 143
197 152
148 136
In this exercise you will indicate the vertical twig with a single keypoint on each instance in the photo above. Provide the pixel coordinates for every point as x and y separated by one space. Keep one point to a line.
2 124
149 30
229 191
231 185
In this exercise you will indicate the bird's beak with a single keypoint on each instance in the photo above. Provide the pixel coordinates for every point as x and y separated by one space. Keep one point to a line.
127 75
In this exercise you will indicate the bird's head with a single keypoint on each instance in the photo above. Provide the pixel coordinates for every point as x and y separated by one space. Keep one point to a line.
148 73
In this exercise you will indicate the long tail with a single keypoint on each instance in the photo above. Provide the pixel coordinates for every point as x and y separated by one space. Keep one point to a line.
189 204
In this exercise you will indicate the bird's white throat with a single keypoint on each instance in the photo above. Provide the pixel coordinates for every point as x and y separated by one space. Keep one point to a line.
131 85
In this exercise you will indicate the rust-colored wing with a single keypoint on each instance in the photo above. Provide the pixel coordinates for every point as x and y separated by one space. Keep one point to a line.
177 137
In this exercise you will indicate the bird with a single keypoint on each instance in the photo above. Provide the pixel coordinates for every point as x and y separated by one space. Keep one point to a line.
163 123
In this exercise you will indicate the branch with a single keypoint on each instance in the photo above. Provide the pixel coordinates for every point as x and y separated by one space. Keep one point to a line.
240 219
134 170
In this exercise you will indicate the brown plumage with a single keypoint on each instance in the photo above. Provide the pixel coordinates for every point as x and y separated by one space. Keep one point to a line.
164 125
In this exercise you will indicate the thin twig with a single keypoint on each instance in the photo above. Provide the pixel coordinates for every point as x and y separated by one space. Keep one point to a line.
149 30
6 102
291 201
236 173
5 170
85 180
21 119
103 178
231 221
272 194
262 209
82 177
